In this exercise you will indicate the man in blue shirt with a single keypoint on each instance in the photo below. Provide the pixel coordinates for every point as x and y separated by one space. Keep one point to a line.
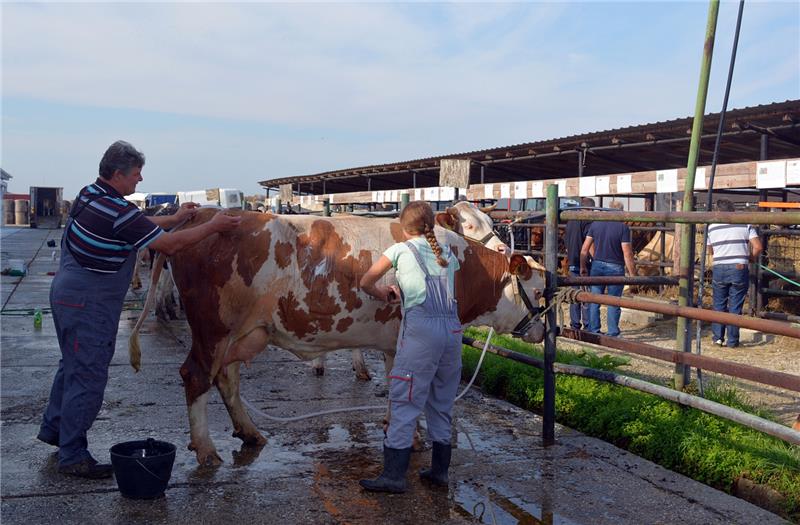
612 255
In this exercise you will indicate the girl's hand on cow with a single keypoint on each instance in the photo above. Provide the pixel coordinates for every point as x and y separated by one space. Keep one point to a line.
393 294
222 222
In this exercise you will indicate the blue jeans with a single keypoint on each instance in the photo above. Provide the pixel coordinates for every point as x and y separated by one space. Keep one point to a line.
578 312
602 268
729 284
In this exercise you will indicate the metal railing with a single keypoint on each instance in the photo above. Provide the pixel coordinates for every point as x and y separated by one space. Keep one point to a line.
682 359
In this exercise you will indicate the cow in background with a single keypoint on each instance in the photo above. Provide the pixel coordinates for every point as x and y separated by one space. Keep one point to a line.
292 282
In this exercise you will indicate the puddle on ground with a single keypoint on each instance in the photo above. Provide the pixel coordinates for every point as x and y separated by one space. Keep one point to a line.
492 507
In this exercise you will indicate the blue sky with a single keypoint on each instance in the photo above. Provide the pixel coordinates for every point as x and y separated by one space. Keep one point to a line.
225 95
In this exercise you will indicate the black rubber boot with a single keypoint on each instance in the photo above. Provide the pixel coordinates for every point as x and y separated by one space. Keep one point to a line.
393 477
440 463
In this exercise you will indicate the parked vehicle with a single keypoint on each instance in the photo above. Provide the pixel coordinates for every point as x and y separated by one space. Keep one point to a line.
224 197
45 207
154 199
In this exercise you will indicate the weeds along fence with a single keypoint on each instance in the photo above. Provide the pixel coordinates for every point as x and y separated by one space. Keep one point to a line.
682 356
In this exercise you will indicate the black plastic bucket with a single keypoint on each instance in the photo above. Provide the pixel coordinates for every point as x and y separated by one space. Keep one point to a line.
142 468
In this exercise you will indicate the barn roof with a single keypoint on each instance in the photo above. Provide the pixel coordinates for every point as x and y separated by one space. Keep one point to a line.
657 145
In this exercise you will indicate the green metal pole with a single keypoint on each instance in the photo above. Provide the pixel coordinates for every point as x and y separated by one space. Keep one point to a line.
551 284
326 208
682 332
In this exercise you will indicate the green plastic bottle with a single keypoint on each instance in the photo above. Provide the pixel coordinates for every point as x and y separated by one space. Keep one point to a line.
37 319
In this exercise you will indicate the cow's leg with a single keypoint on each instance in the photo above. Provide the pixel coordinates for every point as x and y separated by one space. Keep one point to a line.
201 442
318 365
362 372
136 281
197 385
243 428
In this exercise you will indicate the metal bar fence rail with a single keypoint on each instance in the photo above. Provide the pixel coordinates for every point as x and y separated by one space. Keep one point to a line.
768 427
683 359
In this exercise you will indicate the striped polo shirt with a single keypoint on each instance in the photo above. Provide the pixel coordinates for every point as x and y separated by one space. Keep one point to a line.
731 242
106 228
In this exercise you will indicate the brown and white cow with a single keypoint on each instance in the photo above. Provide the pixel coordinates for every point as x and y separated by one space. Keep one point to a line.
474 223
292 282
464 218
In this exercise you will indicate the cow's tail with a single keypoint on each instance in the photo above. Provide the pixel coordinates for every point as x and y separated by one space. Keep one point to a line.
134 349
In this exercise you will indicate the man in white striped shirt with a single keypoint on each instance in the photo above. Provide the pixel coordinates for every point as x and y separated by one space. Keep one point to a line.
733 247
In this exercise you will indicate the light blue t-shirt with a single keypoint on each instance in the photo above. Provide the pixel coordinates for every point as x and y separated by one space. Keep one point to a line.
410 276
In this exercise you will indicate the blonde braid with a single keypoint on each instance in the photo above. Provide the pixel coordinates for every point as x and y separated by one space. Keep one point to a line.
437 250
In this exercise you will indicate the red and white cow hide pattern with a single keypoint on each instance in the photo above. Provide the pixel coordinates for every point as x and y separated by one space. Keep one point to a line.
292 282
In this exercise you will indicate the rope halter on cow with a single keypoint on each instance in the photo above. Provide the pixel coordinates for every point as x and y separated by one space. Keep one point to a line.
520 295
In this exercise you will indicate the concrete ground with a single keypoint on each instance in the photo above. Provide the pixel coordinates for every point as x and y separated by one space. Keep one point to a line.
309 470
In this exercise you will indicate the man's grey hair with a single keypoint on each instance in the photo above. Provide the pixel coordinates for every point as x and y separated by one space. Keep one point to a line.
616 205
587 202
120 156
725 205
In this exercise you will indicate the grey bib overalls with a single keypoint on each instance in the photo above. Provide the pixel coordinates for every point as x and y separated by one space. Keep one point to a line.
86 309
427 366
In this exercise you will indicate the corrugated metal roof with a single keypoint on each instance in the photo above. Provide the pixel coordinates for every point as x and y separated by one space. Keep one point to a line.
657 143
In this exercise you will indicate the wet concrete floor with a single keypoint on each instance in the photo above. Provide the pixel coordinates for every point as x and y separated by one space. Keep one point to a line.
309 470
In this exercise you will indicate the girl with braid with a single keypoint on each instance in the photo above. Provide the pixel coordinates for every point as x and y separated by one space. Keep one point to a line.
427 365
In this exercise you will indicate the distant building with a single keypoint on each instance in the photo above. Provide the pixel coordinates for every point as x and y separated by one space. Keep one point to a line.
4 178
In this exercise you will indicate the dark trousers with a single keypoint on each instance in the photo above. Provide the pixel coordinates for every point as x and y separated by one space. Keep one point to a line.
602 268
729 285
578 312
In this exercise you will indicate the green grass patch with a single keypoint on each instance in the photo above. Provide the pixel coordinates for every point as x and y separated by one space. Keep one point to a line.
702 446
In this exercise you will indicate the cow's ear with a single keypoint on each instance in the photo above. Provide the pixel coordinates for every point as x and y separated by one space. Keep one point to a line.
447 220
519 266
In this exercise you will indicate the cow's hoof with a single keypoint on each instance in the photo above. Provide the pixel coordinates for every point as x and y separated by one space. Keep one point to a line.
363 375
319 371
209 458
253 440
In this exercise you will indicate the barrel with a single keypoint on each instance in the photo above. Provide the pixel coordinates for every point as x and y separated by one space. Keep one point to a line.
8 211
22 212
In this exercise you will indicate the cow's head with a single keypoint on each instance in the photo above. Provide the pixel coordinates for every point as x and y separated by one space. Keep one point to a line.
526 287
500 291
472 222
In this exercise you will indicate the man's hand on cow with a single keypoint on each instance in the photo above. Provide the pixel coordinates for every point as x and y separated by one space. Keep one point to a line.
222 222
186 211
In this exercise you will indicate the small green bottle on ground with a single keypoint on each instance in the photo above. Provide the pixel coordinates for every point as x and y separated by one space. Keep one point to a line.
37 319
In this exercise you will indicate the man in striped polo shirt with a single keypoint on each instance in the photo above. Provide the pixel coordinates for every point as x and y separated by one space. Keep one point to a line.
733 246
98 255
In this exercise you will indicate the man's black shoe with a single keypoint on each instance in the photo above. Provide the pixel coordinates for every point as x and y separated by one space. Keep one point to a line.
88 468
47 438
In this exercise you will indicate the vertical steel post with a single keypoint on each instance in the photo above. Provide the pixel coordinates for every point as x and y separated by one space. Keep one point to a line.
326 207
482 173
551 267
278 205
756 284
404 199
682 332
